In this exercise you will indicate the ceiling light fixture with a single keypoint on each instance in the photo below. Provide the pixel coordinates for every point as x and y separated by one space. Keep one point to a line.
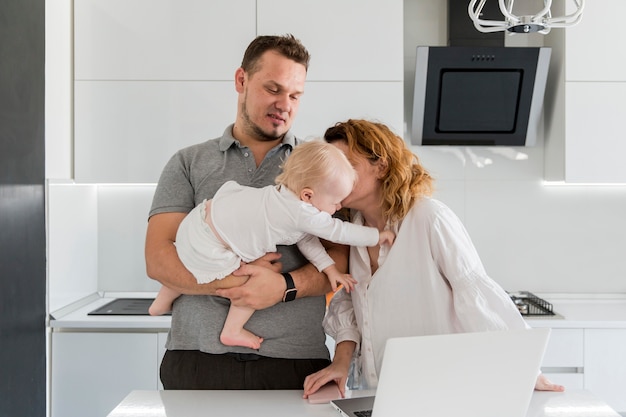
541 22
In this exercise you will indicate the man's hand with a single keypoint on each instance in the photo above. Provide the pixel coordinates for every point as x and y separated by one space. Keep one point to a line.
264 288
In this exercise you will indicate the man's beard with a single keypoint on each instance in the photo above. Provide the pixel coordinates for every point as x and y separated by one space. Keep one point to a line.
254 129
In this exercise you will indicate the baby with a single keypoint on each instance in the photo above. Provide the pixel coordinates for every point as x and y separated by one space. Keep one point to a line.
241 224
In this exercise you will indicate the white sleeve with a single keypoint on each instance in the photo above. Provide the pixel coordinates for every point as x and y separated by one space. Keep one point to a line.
340 321
325 226
480 303
314 252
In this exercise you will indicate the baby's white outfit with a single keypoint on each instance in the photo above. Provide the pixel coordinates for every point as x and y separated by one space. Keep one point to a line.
252 221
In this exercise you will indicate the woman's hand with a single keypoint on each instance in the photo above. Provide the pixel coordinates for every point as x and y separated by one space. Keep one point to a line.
332 372
544 384
336 371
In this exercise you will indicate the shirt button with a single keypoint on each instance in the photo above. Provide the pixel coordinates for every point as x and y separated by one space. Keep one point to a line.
246 154
249 169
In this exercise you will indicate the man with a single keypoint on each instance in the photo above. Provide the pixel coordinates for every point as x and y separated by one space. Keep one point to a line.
269 83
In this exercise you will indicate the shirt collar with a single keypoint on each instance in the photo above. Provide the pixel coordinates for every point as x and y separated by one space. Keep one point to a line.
227 140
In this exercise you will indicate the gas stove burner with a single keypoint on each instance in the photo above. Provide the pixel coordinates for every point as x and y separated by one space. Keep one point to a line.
529 304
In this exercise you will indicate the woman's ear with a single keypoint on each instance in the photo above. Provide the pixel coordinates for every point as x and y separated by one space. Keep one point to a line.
383 168
306 194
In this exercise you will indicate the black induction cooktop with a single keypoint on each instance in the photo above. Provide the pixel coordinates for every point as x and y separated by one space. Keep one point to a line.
124 307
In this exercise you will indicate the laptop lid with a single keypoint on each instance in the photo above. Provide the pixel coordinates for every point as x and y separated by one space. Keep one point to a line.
484 374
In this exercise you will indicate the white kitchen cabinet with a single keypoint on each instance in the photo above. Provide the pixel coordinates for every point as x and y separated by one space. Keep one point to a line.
605 365
594 47
326 103
585 138
349 40
563 361
594 131
154 76
92 372
357 59
127 131
161 39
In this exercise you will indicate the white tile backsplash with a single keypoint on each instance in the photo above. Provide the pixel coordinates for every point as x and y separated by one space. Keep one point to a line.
530 236
72 243
122 222
549 239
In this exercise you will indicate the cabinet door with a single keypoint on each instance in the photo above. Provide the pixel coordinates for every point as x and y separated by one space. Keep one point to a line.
326 103
127 131
563 361
594 46
161 39
357 59
92 372
605 367
595 133
349 40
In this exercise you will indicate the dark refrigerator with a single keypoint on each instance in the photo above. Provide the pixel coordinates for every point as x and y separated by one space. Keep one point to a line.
22 209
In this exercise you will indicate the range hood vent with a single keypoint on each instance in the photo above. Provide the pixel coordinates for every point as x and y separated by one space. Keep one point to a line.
461 30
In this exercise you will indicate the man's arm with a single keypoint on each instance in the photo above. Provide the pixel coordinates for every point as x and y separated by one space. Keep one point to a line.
266 288
164 265
162 261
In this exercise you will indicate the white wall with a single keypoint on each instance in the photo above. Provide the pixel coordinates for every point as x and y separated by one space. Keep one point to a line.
530 236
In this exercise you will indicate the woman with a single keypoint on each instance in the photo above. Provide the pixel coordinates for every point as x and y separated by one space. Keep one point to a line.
431 281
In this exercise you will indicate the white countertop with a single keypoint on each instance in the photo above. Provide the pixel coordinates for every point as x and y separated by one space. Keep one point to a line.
76 317
584 311
575 403
574 311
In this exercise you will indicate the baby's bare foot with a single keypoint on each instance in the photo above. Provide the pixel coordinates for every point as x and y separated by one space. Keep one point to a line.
241 338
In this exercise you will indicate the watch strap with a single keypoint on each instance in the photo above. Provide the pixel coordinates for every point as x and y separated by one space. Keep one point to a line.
291 291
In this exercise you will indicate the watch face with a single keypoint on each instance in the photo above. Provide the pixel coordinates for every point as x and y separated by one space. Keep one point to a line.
290 295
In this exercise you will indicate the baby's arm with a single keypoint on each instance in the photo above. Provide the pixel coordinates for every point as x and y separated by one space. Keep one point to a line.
386 237
335 277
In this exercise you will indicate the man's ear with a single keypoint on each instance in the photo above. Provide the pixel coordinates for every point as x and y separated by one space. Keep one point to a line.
240 79
306 195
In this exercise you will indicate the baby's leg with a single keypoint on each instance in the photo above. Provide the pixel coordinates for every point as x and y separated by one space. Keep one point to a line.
233 333
163 302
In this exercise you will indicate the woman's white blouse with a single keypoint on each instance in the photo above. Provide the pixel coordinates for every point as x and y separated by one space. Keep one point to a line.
431 281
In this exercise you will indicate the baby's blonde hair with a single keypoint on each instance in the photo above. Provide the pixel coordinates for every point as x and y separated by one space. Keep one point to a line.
313 164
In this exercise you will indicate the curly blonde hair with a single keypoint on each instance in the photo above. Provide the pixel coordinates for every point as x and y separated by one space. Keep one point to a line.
405 179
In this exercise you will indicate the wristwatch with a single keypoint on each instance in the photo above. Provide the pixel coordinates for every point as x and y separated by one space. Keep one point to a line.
291 291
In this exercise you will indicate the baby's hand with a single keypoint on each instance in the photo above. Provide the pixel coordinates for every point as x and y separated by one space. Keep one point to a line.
386 237
344 279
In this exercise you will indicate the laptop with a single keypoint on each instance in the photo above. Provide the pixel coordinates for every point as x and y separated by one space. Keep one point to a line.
483 374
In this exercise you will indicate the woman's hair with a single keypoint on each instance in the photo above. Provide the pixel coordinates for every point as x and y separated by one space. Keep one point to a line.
405 179
314 164
287 45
